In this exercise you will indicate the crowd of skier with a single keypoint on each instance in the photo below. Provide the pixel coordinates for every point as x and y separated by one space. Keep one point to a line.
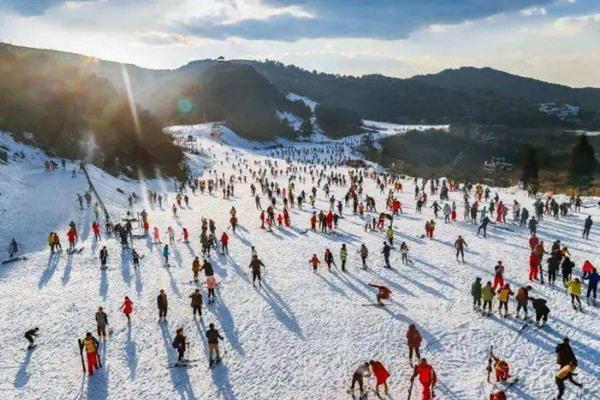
309 183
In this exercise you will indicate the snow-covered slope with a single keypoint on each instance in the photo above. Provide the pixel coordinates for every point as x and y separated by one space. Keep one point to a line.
302 334
390 129
309 102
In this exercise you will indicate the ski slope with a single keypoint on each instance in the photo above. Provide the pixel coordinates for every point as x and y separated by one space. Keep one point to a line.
300 336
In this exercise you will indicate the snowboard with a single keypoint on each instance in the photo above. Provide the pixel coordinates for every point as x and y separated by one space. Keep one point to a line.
357 396
14 259
75 251
184 364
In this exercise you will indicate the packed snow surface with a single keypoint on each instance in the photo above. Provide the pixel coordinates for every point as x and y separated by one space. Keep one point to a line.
301 335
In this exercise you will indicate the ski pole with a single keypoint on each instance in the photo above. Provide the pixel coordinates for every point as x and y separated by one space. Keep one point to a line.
412 382
81 354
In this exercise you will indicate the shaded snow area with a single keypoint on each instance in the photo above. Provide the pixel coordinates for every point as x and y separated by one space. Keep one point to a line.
302 334
294 121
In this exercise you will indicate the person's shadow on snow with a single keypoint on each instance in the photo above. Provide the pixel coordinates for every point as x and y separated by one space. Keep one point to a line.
179 376
23 375
103 284
131 354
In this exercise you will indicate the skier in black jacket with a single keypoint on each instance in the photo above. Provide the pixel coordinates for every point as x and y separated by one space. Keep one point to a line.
30 335
213 336
180 345
103 257
386 254
565 354
587 227
567 269
541 311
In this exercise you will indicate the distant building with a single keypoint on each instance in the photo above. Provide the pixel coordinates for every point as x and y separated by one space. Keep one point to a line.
496 171
561 111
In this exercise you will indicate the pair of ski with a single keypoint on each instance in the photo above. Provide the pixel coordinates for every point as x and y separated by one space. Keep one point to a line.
580 309
365 394
81 347
184 364
74 251
213 363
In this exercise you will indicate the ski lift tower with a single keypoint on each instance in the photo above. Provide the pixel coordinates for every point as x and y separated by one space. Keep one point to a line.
496 172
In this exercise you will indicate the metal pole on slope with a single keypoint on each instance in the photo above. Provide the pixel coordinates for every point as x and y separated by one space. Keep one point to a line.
93 189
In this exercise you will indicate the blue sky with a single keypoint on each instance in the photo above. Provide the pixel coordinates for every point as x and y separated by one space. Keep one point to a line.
554 40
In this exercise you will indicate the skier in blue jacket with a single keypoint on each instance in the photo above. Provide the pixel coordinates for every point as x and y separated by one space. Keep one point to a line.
166 254
593 278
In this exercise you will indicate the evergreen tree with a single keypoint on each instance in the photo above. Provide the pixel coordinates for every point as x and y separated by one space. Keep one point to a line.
582 164
529 171
306 129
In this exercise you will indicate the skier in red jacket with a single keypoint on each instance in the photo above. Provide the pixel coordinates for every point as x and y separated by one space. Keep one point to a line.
96 230
427 378
534 262
314 261
286 217
587 268
224 242
381 376
329 221
127 307
413 339
313 222
533 241
498 395
382 294
72 236
498 275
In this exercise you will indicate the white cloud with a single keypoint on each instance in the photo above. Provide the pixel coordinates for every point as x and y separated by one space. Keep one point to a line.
157 38
532 11
563 50
572 26
227 12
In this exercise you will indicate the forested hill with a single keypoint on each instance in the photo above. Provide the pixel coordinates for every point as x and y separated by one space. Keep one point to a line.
59 102
247 95
505 84
383 98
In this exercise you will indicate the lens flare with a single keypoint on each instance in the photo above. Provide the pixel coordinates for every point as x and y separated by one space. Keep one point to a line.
131 100
184 106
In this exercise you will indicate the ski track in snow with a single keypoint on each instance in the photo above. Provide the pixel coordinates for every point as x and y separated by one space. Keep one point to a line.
299 336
